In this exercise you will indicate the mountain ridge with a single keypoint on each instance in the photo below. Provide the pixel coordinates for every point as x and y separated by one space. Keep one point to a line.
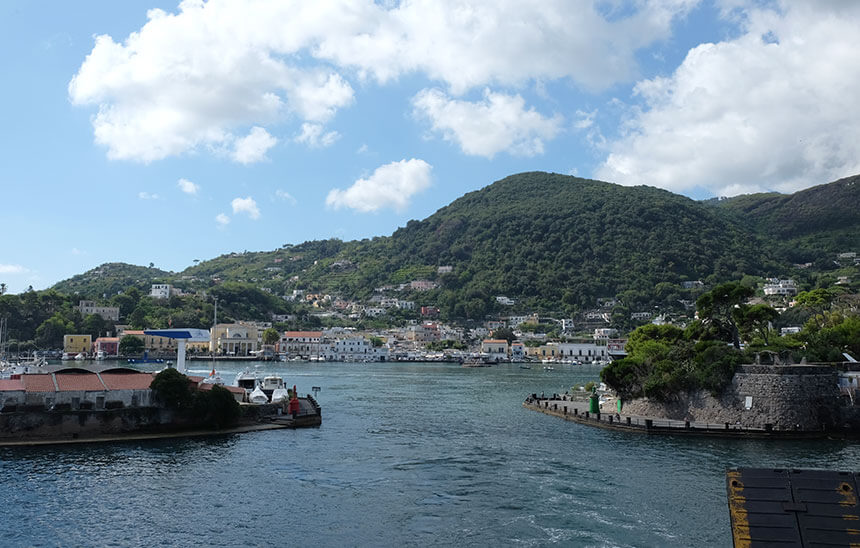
554 241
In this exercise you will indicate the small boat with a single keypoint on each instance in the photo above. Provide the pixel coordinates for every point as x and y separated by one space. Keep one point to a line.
280 395
213 378
101 355
271 383
80 357
525 367
258 397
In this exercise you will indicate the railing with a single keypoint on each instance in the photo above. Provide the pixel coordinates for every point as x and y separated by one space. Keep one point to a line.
577 411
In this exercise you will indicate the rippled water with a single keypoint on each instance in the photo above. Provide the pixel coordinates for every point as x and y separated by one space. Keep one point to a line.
408 454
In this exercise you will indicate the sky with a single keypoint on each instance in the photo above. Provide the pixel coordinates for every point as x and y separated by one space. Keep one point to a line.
149 131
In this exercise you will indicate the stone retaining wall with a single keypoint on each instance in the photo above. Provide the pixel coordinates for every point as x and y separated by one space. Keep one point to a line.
787 397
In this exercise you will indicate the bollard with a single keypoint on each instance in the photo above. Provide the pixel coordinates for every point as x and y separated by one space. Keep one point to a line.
575 412
687 425
649 423
586 414
546 405
598 415
727 426
555 407
565 410
628 421
610 419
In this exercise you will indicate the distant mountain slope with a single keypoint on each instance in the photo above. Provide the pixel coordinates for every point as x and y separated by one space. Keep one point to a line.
548 238
110 278
552 242
810 224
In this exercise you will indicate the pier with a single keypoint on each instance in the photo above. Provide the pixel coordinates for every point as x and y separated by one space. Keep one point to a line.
577 410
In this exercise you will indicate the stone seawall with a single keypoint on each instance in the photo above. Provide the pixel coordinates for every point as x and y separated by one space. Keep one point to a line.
42 424
796 397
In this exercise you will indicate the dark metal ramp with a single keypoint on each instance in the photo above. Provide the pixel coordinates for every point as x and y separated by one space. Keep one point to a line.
783 508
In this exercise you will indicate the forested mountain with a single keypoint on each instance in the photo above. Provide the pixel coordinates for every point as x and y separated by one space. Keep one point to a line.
807 226
552 242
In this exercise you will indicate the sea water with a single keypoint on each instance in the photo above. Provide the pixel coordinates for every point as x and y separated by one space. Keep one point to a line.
409 454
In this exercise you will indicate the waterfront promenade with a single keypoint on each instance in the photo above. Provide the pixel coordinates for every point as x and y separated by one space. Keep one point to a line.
576 410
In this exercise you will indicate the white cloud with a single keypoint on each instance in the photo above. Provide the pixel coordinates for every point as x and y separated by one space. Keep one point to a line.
222 219
247 206
772 109
314 135
12 269
508 42
187 186
253 147
391 185
147 196
285 196
498 123
200 76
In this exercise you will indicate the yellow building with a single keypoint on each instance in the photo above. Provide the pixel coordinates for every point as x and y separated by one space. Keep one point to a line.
152 343
546 351
77 344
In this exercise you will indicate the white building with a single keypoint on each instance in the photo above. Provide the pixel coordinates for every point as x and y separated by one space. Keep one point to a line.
505 301
110 313
160 291
604 334
355 349
780 288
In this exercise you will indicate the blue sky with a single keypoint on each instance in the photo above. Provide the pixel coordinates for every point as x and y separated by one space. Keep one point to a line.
142 131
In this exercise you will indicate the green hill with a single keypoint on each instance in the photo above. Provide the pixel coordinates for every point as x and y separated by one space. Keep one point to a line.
111 278
807 226
554 243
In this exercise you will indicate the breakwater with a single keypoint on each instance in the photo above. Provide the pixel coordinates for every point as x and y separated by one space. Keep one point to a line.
578 411
797 401
41 425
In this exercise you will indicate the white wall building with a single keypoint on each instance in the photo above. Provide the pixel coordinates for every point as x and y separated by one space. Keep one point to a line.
355 349
159 291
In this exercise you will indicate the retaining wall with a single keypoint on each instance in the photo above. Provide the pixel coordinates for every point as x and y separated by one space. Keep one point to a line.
796 397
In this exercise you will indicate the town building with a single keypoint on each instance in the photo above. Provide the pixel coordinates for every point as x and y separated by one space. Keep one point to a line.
583 352
429 311
234 339
159 291
110 313
301 344
151 343
355 349
495 349
518 351
424 333
77 344
108 345
780 288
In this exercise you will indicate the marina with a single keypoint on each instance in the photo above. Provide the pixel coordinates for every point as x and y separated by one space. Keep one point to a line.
446 454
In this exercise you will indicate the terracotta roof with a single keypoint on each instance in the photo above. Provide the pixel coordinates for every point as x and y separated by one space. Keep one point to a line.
127 381
11 384
79 381
495 341
232 389
38 383
133 332
107 339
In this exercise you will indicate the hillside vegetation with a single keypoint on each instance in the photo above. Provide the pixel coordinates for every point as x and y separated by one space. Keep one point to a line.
553 243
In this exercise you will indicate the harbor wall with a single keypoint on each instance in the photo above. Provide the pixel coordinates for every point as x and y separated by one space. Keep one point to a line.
797 397
43 424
